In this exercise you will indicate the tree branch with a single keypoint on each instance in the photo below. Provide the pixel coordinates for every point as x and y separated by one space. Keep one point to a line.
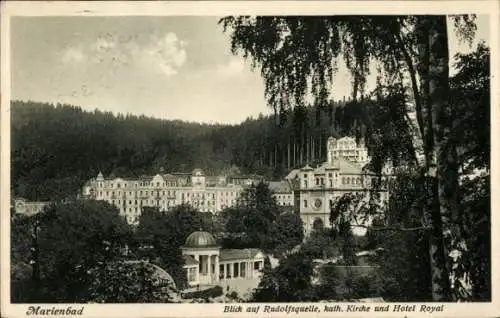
391 228
412 71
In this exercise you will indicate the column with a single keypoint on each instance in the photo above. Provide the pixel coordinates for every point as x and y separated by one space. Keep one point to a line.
197 257
209 265
217 268
231 268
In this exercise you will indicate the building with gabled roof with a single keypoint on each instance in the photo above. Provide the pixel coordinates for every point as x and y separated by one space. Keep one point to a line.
345 171
167 190
282 192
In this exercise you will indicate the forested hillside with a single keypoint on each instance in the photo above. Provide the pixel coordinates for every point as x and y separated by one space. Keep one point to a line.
56 148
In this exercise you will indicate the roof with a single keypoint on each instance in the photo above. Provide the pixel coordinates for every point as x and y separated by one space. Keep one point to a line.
292 174
346 166
307 167
200 239
180 173
280 186
189 260
234 254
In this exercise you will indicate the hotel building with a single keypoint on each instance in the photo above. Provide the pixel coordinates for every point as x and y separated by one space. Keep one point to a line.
345 171
164 191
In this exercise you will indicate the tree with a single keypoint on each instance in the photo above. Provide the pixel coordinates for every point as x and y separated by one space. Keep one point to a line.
289 282
250 222
320 244
295 54
287 233
471 92
160 236
266 290
21 230
72 238
129 282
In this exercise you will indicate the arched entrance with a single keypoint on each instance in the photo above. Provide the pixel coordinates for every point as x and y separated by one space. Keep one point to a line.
318 224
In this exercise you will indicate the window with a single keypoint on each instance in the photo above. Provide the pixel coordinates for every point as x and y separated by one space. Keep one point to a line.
256 265
242 269
236 270
221 271
305 203
191 275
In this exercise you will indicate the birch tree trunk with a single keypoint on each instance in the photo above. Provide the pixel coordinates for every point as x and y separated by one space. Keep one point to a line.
433 70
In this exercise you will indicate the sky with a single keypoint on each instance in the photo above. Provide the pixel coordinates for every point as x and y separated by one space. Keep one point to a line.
165 67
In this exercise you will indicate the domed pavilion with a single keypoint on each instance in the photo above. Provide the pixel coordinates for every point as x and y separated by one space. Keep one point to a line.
207 264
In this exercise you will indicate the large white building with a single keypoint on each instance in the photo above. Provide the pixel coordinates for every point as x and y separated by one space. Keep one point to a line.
164 191
282 192
344 172
206 263
23 206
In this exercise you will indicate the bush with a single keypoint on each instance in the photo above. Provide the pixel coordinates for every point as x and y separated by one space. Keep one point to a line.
344 282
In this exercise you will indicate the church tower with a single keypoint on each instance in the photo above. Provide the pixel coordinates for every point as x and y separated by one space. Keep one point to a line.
330 147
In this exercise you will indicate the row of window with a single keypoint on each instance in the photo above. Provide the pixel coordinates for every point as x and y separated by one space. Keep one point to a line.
148 184
171 193
383 195
284 197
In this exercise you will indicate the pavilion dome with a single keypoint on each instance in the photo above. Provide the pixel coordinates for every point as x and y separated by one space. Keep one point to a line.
200 239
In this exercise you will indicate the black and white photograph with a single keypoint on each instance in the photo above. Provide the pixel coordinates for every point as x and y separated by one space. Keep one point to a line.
248 159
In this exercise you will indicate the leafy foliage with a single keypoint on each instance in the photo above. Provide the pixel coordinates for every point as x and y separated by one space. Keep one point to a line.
160 236
470 92
70 238
128 282
287 233
258 222
290 281
320 244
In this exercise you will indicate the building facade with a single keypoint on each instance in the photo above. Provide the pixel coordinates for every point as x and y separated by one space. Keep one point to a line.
282 192
344 172
25 207
206 263
164 191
